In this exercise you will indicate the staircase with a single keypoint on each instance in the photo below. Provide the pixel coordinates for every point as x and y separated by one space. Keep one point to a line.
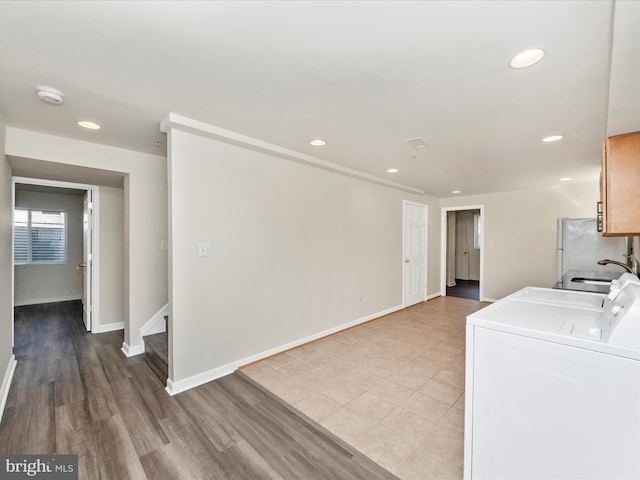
156 348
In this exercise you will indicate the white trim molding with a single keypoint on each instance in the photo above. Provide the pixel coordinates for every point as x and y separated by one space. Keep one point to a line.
156 324
108 327
6 383
433 295
179 122
133 350
175 387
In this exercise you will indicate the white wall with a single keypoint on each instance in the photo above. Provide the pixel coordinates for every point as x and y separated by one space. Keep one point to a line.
6 272
294 248
111 281
520 232
145 198
52 282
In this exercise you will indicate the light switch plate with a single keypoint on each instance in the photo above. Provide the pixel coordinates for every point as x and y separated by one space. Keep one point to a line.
164 245
204 249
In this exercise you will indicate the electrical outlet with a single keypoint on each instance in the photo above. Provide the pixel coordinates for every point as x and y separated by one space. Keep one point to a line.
204 249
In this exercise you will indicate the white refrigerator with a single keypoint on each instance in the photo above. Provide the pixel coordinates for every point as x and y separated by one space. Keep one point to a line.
580 246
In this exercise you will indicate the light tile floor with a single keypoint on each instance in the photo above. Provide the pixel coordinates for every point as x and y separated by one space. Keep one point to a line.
393 387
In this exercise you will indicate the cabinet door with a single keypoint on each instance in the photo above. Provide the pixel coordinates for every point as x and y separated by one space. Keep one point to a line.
621 185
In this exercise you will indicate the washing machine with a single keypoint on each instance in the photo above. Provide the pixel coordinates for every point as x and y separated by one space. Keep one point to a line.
553 385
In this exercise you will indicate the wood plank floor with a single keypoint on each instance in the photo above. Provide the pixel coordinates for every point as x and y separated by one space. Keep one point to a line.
74 392
465 289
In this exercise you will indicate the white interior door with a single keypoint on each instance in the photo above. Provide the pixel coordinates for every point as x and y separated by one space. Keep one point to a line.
87 254
464 243
414 225
450 246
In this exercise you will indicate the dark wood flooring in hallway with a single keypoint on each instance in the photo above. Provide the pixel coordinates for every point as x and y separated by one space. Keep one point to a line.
465 289
75 392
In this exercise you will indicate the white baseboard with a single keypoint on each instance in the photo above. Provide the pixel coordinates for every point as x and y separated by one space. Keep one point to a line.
107 327
433 295
131 351
188 383
490 300
6 383
37 301
156 324
175 387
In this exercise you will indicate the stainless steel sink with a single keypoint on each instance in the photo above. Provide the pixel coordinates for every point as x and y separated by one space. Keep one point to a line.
591 281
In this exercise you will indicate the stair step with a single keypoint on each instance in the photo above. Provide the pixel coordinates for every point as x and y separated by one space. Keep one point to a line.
156 348
159 343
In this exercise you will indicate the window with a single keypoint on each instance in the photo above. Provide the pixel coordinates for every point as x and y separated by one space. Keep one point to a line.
39 237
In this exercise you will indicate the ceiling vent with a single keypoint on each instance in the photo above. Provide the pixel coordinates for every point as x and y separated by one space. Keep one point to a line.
416 143
50 95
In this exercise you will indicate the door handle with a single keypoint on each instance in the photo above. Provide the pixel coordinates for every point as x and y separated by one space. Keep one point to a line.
81 265
406 260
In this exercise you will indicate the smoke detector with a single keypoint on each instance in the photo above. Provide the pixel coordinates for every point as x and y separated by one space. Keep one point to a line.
50 95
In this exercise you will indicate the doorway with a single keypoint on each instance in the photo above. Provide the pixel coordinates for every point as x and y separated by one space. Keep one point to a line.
462 251
55 244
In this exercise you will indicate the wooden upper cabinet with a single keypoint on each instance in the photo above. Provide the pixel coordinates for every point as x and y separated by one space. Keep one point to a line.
620 185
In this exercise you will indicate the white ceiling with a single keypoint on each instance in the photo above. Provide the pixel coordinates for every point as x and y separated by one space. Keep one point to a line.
365 76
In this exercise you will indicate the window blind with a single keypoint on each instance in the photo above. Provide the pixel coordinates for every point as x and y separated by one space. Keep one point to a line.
39 237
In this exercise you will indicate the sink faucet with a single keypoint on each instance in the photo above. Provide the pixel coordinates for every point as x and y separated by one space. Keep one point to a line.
634 262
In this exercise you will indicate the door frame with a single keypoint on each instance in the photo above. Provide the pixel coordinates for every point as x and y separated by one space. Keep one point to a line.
443 247
87 259
426 246
95 218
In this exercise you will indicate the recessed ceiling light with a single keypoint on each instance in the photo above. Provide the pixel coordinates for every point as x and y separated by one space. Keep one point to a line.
50 95
552 138
89 125
318 142
455 191
527 58
566 179
392 170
